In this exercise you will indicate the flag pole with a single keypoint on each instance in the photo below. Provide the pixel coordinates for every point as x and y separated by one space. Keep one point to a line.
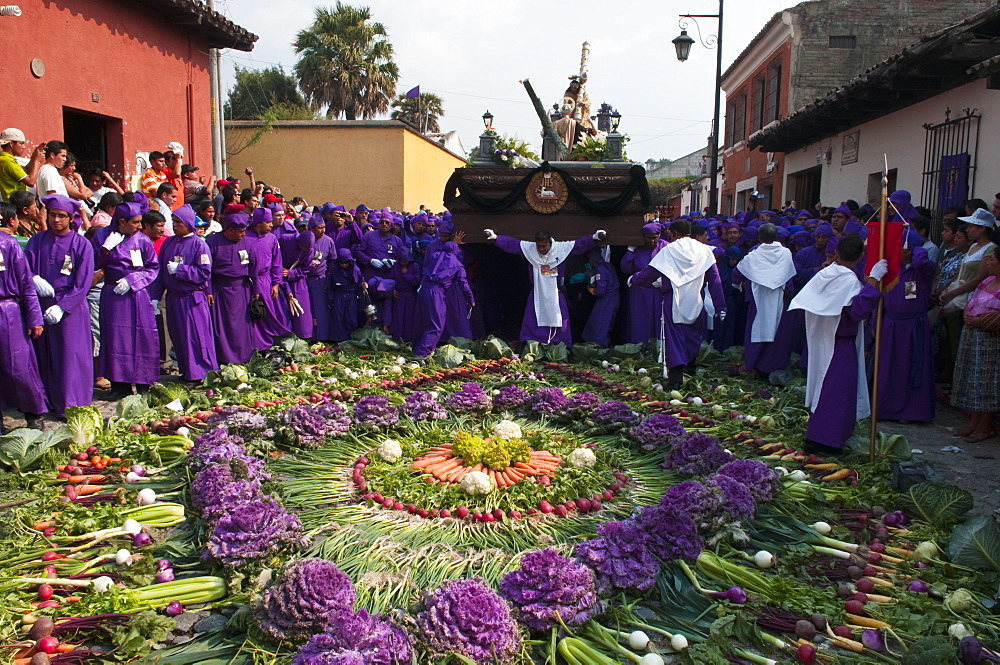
883 222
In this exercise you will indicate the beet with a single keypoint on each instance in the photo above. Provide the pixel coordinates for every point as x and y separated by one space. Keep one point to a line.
819 621
41 628
865 585
854 607
805 629
843 631
583 505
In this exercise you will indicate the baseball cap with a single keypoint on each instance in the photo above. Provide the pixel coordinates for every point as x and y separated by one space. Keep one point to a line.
187 168
176 148
222 183
11 134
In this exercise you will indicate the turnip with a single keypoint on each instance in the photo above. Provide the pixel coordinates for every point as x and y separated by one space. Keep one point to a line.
146 496
41 628
164 564
872 639
141 540
123 557
764 559
174 608
651 659
806 653
678 643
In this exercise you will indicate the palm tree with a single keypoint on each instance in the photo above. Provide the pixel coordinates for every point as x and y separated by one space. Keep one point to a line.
422 112
345 63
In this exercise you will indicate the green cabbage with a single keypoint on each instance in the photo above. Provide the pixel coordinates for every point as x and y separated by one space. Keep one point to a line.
85 423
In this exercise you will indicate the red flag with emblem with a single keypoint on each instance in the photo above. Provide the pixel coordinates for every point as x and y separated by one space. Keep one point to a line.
893 247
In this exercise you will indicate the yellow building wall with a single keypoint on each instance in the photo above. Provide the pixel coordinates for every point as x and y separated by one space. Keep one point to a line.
426 169
347 165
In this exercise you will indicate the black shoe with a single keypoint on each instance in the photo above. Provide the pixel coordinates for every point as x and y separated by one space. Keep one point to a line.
822 450
34 421
675 378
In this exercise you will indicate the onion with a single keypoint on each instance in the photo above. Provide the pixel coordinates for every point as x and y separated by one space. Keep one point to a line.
638 640
141 540
146 496
916 586
139 470
734 595
164 564
678 643
872 639
798 475
183 431
174 608
764 559
164 576
822 528
652 659
891 519
123 557
132 477
131 527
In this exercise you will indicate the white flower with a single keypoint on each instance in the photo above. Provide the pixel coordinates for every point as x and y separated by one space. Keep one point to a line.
476 482
582 457
390 450
507 429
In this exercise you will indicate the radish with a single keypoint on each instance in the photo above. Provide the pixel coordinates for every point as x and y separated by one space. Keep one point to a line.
47 644
44 591
461 512
561 510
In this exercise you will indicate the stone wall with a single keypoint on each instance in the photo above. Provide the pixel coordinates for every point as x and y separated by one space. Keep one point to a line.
881 28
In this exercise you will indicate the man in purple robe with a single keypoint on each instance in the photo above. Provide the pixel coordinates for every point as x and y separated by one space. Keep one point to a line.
323 256
764 274
810 260
457 323
184 279
346 285
378 252
683 269
906 372
344 233
130 345
232 287
403 319
546 313
446 268
645 304
21 320
602 282
836 306
267 258
63 264
296 259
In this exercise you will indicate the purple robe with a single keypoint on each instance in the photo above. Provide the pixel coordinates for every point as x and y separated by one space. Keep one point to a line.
344 290
644 302
20 381
267 257
324 254
682 341
296 257
231 288
906 369
404 308
530 330
603 284
832 421
189 318
457 322
808 261
65 351
376 246
434 306
130 342
765 357
345 237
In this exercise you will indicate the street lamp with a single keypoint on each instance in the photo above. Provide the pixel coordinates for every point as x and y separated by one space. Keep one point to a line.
487 141
488 120
682 44
616 119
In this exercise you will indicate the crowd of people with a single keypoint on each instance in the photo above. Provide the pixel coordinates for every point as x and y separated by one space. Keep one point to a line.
102 288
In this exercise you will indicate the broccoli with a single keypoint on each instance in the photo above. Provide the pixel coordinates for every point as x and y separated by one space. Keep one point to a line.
936 650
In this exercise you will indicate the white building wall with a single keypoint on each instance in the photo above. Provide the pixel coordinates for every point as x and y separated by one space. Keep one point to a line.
900 136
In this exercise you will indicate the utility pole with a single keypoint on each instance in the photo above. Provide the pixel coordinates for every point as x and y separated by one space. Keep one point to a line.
218 131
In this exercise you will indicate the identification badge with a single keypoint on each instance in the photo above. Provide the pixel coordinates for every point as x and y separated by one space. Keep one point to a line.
136 256
3 265
67 266
389 249
244 257
548 271
910 290
317 255
178 259
205 260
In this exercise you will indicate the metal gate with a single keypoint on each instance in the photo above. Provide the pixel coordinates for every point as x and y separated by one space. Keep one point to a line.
950 161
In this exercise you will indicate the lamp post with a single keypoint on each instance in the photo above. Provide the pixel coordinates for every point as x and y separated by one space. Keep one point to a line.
487 140
682 44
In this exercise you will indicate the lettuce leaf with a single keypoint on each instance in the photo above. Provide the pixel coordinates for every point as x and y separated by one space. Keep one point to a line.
23 447
85 423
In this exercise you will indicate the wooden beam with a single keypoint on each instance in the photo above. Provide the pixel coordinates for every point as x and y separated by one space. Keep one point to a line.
910 82
973 52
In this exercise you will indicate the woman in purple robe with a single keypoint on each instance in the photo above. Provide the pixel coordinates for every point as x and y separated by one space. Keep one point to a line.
906 373
296 258
21 320
130 344
267 257
445 270
346 285
323 255
184 277
602 282
64 262
232 287
404 315
645 304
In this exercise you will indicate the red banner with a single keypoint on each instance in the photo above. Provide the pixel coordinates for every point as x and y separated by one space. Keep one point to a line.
893 246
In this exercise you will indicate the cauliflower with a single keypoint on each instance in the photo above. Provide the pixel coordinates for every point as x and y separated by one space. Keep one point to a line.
506 429
582 457
476 482
390 450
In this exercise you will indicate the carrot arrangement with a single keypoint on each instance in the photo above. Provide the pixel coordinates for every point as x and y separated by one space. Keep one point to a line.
442 465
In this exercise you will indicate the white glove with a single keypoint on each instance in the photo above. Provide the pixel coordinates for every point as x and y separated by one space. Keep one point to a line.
377 264
722 315
600 235
53 315
489 234
388 263
43 288
628 282
631 248
122 287
156 306
879 270
658 283
172 267
113 240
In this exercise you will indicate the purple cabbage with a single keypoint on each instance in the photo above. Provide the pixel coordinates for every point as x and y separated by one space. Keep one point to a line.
466 617
421 405
337 420
737 500
696 454
581 405
549 401
548 584
375 411
470 399
756 476
306 599
252 531
614 414
357 639
511 398
672 535
620 557
656 431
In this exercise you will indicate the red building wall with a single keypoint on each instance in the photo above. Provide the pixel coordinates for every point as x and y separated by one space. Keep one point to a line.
149 79
743 164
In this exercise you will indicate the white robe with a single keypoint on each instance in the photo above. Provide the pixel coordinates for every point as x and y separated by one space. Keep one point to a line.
684 262
768 267
546 282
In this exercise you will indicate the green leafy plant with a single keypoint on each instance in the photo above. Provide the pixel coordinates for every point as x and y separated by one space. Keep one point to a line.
85 422
23 448
938 505
976 544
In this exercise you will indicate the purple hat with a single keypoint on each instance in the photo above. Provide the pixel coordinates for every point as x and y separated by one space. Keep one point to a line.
328 208
795 228
844 210
824 229
750 235
446 214
734 253
444 226
186 215
316 219
386 211
802 238
339 209
651 228
803 213
403 256
900 200
275 207
374 216
361 208
344 255
854 227
60 202
831 245
261 215
782 234
381 284
236 220
127 211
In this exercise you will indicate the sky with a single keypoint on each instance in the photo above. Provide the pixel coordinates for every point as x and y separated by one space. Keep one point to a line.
474 55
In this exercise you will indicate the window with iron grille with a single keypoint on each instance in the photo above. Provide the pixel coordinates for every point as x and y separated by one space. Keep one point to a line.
730 109
843 41
757 104
740 118
773 93
950 151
